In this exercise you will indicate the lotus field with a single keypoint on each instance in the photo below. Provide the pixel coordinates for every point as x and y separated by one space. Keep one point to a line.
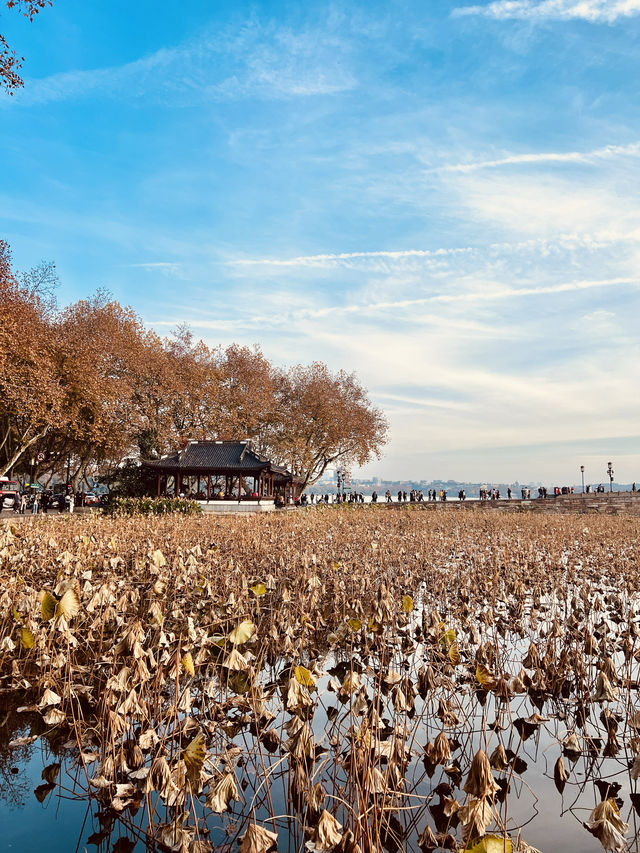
336 679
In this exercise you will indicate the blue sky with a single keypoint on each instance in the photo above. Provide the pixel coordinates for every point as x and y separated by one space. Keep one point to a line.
440 197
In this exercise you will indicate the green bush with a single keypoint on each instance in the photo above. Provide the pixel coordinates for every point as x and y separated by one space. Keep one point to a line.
151 506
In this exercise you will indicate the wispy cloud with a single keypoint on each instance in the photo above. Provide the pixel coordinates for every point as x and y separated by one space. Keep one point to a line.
165 267
495 293
595 11
333 258
569 157
260 60
542 245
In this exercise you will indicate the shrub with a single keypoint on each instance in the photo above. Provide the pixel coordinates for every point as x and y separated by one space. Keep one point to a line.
151 506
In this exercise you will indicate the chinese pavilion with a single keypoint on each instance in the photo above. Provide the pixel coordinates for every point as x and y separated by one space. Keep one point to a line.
223 470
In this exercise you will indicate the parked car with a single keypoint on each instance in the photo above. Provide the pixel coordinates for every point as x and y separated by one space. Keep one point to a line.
57 501
8 489
91 499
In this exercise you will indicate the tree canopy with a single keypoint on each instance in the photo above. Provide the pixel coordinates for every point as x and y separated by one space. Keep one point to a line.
10 62
83 387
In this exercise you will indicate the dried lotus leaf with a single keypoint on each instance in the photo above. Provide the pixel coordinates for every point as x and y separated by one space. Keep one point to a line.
243 632
221 794
193 756
48 606
257 839
69 605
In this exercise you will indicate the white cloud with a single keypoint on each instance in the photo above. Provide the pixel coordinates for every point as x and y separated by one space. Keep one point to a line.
261 61
483 293
540 246
546 205
165 267
594 11
332 258
536 158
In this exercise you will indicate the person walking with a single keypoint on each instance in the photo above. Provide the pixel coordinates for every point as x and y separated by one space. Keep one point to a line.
23 503
35 505
72 502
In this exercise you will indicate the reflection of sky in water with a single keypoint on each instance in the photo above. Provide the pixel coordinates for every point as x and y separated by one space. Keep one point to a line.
55 825
550 821
62 822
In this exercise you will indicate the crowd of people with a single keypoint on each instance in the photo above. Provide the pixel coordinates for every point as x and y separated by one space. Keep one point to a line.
36 502
434 495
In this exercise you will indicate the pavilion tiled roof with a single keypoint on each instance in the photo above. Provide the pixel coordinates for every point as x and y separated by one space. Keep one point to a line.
222 456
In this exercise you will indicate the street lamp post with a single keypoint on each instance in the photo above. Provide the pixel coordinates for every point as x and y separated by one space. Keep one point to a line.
33 462
610 473
339 482
582 472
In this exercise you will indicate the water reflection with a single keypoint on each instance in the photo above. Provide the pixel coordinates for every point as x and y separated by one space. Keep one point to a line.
523 737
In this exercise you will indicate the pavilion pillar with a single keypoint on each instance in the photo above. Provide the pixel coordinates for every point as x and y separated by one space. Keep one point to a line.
158 491
198 486
239 489
178 479
208 487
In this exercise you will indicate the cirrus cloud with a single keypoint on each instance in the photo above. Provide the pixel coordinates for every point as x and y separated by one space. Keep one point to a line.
595 11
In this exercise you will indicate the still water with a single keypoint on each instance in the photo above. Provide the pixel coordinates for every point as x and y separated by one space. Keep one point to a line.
44 804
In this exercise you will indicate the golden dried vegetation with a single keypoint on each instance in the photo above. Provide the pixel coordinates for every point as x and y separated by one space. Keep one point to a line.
347 679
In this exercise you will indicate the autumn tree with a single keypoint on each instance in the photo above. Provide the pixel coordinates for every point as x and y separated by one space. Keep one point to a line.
89 385
324 418
194 387
102 353
248 403
10 63
30 397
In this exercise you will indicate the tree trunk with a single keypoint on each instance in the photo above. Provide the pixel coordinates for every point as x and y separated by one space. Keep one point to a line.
22 450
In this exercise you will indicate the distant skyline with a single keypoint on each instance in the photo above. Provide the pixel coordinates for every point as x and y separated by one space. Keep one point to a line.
440 197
